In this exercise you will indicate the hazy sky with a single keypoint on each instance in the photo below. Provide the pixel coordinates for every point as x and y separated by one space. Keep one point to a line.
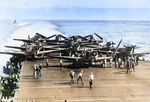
75 9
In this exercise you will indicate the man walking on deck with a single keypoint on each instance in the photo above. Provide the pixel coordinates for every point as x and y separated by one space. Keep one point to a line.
80 77
91 78
72 75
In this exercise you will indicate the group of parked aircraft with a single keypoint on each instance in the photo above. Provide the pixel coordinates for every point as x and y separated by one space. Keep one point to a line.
79 49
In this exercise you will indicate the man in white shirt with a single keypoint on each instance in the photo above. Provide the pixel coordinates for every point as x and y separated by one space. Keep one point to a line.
119 62
91 78
72 75
80 77
61 63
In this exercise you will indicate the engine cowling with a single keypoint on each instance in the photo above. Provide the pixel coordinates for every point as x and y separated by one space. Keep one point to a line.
108 44
94 53
36 48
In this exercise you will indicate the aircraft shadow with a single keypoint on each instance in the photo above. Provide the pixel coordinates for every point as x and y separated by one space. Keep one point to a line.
27 77
72 66
63 83
79 86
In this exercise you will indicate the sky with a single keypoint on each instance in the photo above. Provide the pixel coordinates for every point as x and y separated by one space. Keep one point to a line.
75 9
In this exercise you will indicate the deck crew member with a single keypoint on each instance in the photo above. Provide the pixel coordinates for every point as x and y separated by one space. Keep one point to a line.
61 63
80 77
101 55
110 62
91 78
105 62
34 72
40 69
37 72
72 75
133 64
47 65
119 62
128 66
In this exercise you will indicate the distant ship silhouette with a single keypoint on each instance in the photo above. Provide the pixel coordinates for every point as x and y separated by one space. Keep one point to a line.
15 22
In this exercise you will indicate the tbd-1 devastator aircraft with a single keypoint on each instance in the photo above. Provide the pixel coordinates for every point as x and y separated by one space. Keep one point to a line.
88 56
129 51
32 51
37 38
75 40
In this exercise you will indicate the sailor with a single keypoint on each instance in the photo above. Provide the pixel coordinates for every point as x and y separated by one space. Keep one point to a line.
128 66
72 75
137 59
101 55
40 69
133 64
125 62
110 62
105 61
119 62
61 63
47 62
91 78
34 72
80 77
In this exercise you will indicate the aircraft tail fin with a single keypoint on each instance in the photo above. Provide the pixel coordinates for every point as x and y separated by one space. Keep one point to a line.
117 48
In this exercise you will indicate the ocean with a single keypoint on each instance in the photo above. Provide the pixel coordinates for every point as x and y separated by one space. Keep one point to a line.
132 32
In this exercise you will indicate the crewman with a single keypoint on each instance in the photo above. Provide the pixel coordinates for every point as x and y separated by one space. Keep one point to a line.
119 62
37 72
91 78
47 65
105 61
34 72
110 62
40 69
125 62
128 66
80 77
133 64
101 55
72 75
61 63
137 59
